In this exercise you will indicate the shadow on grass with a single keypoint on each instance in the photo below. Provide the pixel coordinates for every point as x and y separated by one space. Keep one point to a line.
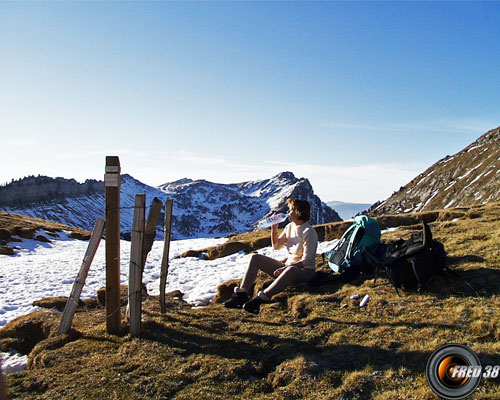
372 324
264 353
482 282
465 259
477 282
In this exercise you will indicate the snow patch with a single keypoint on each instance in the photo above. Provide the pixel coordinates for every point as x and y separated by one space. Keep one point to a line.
474 147
450 203
448 160
13 362
425 177
475 180
450 185
469 171
429 200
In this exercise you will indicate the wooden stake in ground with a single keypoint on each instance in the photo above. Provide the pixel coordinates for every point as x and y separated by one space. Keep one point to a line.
169 204
74 298
135 271
112 186
150 230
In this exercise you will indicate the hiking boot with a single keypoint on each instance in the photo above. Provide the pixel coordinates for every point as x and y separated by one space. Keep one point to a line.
253 305
237 300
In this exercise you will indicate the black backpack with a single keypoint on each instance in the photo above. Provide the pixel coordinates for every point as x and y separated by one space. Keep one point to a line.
414 263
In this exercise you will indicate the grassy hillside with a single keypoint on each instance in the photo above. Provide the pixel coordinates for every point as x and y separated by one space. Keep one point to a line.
13 227
306 344
466 178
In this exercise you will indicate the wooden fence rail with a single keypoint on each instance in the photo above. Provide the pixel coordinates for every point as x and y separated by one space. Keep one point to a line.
135 270
169 204
74 298
150 229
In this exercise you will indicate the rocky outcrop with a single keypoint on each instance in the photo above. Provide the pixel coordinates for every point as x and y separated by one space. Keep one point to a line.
320 212
40 189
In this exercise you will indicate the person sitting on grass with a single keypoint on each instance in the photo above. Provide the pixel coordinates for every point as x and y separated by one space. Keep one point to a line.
301 241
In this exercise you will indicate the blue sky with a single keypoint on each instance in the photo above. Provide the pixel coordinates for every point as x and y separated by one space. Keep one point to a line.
359 97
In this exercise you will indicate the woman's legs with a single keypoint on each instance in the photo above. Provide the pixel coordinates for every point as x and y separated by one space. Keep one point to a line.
257 262
290 276
266 264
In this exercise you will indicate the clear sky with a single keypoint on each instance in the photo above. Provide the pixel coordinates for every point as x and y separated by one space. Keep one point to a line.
359 97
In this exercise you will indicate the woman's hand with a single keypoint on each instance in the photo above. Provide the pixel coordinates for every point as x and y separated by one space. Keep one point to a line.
274 236
277 272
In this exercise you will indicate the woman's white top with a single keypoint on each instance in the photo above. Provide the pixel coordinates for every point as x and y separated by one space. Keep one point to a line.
301 243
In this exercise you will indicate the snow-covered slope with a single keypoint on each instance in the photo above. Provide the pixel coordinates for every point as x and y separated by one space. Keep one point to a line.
201 208
472 176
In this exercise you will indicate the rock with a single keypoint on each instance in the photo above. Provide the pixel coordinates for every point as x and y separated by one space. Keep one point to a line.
79 235
25 233
6 250
42 238
5 234
53 234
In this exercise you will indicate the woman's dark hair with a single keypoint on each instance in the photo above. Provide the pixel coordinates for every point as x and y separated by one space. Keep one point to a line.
302 207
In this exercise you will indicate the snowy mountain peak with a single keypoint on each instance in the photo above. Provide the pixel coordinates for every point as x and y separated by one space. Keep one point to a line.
285 176
182 180
201 208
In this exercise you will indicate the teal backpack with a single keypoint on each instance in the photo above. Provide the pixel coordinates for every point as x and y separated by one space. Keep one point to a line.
364 232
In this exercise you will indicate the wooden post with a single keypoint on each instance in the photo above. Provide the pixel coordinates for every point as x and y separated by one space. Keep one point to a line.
135 271
150 230
112 186
169 204
74 298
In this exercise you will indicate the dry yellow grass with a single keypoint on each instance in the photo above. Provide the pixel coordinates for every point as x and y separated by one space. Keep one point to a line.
14 226
308 344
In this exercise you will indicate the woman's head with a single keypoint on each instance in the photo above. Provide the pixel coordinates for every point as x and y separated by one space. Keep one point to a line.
301 207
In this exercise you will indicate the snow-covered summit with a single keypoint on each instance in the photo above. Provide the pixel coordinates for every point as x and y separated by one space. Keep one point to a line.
201 208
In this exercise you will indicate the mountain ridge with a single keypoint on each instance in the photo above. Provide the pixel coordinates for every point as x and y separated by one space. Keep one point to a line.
201 208
467 178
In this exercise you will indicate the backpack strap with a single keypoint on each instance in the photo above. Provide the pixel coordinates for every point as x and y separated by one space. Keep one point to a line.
419 281
353 241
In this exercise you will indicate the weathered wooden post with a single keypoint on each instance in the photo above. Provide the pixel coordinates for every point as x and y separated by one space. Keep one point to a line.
76 291
112 186
167 229
150 230
135 270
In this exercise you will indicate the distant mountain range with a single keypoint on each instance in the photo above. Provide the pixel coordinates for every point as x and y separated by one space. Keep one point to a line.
346 210
201 208
472 176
